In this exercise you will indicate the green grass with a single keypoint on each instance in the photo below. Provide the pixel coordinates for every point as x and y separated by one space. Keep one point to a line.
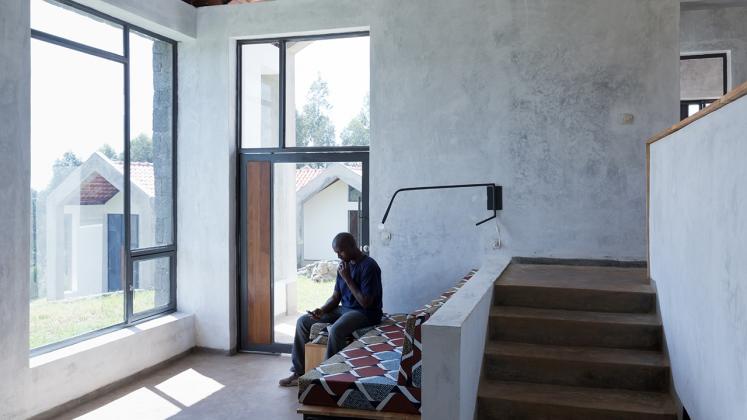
53 321
311 294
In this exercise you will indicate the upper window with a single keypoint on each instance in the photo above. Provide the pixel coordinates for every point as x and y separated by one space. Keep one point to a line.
305 92
102 173
703 79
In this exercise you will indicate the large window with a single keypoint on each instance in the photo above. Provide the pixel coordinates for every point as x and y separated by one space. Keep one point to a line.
102 174
305 92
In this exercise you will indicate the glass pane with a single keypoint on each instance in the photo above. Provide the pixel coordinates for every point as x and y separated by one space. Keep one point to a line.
151 152
701 78
327 85
260 95
310 207
151 281
77 109
692 109
67 22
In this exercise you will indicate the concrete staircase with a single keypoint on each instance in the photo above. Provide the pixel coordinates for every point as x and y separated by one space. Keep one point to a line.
572 342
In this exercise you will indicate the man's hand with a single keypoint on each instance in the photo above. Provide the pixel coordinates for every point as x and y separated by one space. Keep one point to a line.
344 270
316 313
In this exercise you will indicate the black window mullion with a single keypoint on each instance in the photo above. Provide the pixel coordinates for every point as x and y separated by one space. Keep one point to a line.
281 102
127 192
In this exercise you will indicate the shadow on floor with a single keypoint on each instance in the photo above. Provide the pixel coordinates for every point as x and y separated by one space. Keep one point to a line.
201 386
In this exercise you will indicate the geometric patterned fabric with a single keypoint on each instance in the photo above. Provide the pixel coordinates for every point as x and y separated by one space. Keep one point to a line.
367 374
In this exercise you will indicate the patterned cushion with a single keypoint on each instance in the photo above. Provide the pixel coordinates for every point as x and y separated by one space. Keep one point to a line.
410 370
364 374
319 334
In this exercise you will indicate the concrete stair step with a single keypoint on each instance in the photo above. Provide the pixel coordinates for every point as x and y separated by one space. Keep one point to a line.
515 400
577 366
599 289
575 328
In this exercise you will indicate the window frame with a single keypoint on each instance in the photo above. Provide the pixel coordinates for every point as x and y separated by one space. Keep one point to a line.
703 103
140 254
281 43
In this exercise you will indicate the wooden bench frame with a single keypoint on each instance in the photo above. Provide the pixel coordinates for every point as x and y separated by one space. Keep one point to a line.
313 356
313 411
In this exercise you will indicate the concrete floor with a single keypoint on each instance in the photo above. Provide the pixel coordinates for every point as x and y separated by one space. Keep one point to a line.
201 386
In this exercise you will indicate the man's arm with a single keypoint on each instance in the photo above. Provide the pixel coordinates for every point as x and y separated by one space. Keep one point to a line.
365 300
331 304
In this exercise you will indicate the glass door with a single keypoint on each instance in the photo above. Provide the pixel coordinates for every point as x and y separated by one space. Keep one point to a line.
292 205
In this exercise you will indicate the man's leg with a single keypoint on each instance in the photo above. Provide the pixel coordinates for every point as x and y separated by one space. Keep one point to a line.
342 329
303 328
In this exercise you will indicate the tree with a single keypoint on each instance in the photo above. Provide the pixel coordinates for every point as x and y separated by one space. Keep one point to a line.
108 151
357 132
62 167
141 149
313 126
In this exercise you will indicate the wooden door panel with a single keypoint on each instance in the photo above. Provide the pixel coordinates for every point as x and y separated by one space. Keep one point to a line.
258 223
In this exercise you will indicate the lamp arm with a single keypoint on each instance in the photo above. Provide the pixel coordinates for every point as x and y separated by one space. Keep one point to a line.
495 197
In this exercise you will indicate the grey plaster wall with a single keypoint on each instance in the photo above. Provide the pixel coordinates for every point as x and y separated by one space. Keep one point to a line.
15 211
527 94
718 29
699 260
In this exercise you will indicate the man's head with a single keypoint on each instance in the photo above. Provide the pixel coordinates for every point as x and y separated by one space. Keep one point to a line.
345 247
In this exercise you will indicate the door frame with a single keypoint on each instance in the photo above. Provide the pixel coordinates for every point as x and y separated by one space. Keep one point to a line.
250 155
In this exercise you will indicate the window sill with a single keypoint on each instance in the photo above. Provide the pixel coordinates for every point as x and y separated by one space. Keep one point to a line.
113 337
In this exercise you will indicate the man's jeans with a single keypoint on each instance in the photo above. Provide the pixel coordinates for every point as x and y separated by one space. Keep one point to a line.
342 324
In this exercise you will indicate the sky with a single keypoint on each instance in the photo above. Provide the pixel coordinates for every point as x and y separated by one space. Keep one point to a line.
344 64
77 100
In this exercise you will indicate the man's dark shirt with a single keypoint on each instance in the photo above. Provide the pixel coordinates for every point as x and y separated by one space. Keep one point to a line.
367 275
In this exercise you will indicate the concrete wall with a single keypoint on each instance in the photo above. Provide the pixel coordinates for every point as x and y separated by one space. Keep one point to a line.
717 29
530 95
459 325
62 376
14 217
699 260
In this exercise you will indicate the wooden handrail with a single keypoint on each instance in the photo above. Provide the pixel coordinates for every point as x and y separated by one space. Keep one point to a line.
730 97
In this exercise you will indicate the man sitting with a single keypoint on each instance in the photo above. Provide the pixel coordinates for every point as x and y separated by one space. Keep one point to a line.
358 288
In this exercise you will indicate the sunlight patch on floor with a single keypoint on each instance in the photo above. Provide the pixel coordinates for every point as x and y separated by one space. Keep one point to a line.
142 404
189 387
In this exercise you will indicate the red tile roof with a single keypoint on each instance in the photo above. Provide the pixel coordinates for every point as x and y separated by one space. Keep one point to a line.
141 174
306 174
96 190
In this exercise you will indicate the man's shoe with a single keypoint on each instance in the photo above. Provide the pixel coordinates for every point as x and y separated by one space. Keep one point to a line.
290 381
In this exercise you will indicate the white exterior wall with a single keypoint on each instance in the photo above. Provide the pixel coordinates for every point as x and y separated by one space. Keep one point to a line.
698 233
325 215
90 241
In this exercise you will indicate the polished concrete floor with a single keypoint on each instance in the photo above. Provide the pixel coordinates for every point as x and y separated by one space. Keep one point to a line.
201 386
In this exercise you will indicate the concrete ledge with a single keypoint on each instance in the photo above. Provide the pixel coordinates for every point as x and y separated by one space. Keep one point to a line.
103 360
453 347
171 18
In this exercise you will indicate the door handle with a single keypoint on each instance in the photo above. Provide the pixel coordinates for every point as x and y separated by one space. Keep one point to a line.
364 248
